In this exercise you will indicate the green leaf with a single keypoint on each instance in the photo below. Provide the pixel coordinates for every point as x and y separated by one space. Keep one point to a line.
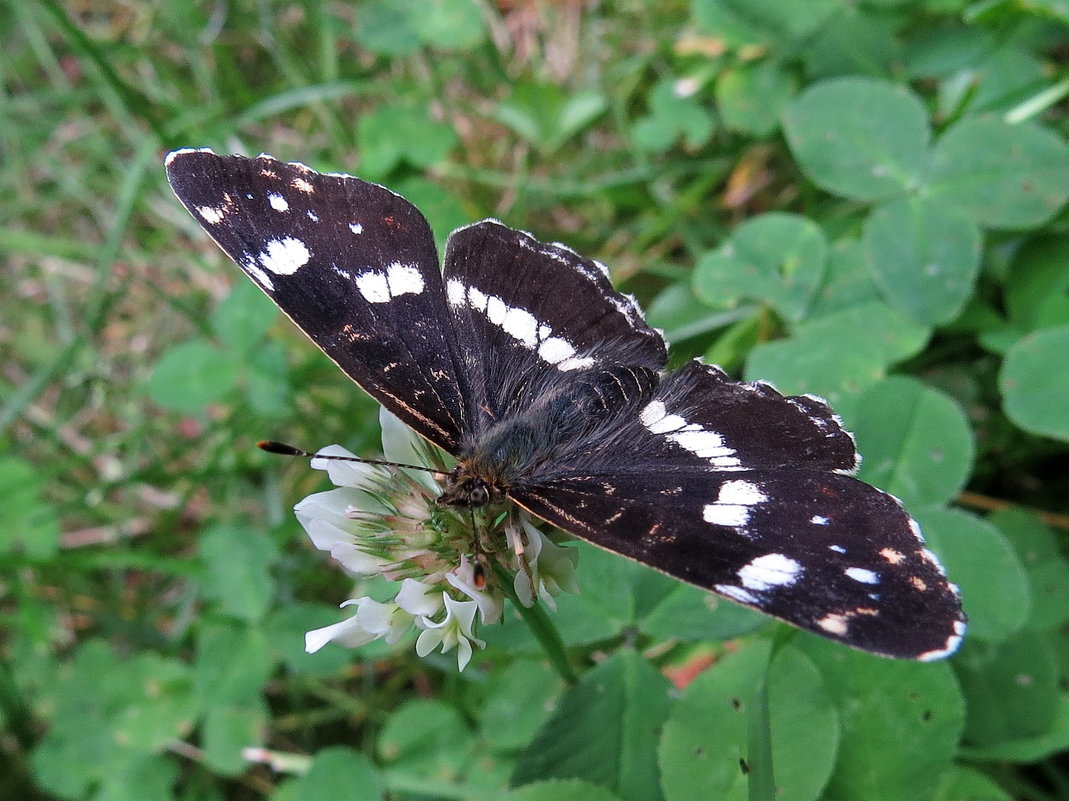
777 258
518 702
749 22
1041 556
916 441
1006 176
444 212
450 24
232 664
900 722
161 705
1034 748
924 256
678 313
968 784
192 375
672 117
144 778
795 367
28 525
892 336
387 27
859 138
557 789
243 317
689 613
578 740
547 117
1037 285
706 735
751 97
267 382
227 731
1012 688
994 588
426 737
1035 391
382 149
854 42
339 773
237 563
847 279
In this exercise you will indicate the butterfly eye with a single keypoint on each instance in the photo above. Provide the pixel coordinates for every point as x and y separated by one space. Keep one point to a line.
479 495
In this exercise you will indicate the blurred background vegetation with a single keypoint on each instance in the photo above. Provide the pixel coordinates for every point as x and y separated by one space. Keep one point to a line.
861 199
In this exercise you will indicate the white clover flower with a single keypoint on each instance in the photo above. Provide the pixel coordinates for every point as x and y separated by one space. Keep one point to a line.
371 621
387 522
551 567
453 631
491 604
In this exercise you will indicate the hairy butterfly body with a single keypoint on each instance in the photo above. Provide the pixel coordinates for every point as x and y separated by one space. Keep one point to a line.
547 385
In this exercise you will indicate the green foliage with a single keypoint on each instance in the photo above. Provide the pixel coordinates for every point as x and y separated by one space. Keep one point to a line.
862 200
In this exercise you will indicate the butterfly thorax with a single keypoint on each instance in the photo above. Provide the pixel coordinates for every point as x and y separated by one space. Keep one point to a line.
573 417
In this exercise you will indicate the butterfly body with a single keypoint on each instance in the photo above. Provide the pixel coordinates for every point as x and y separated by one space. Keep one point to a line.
521 360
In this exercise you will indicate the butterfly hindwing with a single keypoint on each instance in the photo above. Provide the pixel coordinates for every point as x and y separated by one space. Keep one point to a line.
700 417
822 551
351 263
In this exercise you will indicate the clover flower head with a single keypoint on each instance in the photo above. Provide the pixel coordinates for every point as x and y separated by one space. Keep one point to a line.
387 522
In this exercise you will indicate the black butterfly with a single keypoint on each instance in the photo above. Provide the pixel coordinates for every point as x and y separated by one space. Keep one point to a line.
548 387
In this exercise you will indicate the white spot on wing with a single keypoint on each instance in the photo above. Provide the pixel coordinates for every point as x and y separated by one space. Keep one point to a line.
837 548
356 228
834 624
726 515
555 349
818 520
278 203
863 575
952 643
211 215
455 292
404 279
768 571
374 287
651 413
733 502
496 310
744 493
312 216
285 256
250 266
701 442
521 325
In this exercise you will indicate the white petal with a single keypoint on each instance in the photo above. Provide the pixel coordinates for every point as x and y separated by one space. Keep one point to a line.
347 474
418 598
401 444
428 640
463 578
357 560
347 632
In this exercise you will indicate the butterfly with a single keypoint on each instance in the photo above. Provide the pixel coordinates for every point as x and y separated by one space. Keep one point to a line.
549 388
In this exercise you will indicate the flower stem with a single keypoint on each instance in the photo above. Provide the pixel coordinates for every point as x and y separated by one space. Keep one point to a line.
541 626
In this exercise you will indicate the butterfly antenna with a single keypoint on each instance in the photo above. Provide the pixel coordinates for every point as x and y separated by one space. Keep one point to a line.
282 449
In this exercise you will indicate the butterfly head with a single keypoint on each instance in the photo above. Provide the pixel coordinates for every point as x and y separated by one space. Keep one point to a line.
464 487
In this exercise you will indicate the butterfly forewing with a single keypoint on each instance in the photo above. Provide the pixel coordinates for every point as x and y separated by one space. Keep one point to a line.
351 263
546 383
